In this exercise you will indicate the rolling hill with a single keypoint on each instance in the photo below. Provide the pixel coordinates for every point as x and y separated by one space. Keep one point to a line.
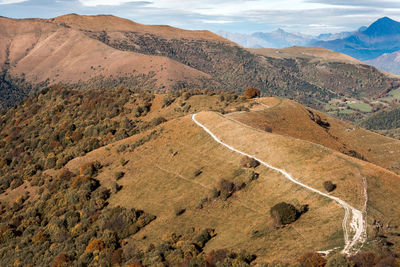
124 176
46 53
106 51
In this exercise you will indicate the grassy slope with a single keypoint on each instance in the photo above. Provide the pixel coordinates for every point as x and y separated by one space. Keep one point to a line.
292 119
160 183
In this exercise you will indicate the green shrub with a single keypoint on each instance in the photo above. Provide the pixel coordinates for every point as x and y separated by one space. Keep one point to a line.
179 211
283 213
197 172
329 186
157 121
203 237
227 188
119 175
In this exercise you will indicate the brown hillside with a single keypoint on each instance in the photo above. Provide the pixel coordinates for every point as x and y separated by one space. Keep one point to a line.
306 52
111 23
292 119
160 182
149 153
46 52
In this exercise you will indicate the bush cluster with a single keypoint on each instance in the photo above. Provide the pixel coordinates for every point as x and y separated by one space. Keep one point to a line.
248 162
251 92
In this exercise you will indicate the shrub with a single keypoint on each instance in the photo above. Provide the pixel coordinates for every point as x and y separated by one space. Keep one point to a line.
115 188
197 172
227 188
248 162
251 92
179 211
119 175
388 261
253 176
157 121
16 182
65 175
90 168
311 259
329 186
283 213
216 256
366 259
267 129
167 101
39 237
61 260
203 237
95 245
123 162
338 260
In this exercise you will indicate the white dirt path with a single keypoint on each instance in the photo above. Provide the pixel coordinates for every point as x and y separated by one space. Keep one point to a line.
353 217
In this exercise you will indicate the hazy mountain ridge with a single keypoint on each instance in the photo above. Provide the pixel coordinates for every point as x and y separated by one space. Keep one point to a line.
382 36
279 38
388 62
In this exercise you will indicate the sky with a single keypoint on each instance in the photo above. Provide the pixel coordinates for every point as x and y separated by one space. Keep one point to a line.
243 16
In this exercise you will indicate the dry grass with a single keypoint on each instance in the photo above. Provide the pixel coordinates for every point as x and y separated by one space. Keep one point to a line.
160 183
292 119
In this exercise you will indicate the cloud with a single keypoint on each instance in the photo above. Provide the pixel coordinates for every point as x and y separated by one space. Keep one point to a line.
217 21
7 2
94 3
245 16
359 3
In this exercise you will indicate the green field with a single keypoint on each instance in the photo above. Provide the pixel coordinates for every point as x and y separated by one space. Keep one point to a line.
361 107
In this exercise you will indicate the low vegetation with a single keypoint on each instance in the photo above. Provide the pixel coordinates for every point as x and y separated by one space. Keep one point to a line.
248 162
329 186
384 120
284 213
251 92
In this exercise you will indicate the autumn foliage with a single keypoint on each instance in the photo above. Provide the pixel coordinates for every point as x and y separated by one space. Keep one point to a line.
251 92
311 259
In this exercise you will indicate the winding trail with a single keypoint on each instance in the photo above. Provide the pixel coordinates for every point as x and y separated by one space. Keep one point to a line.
352 217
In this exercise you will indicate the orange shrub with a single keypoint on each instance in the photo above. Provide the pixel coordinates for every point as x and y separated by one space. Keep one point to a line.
248 162
251 92
61 260
311 259
95 245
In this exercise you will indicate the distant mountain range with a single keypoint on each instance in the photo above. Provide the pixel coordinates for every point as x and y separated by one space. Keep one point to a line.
280 38
377 45
382 36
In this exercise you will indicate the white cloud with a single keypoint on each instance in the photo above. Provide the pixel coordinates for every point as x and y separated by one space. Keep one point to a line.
94 3
7 2
216 21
